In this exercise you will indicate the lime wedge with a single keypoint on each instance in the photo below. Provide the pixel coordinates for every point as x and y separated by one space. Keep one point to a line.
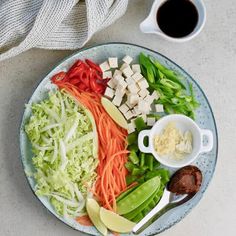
93 210
115 222
114 113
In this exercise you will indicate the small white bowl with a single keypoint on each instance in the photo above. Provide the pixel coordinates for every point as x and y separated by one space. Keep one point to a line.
150 25
183 123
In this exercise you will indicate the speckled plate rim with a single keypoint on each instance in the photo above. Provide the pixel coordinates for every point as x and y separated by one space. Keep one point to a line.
166 58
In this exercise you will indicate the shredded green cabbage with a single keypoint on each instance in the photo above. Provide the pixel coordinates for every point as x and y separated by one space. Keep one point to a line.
64 142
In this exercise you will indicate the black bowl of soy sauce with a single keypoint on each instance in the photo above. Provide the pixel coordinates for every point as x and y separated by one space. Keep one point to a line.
177 18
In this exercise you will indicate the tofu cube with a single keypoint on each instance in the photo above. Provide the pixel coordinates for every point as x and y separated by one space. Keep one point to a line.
143 84
117 100
143 107
137 77
127 59
104 66
144 118
117 72
155 95
107 74
119 78
131 128
123 66
136 68
130 80
151 121
149 99
121 85
120 93
133 88
127 71
143 93
123 108
113 62
111 83
109 92
129 105
159 108
137 111
133 99
128 115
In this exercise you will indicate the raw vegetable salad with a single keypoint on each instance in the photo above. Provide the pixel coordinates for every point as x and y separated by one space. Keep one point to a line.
84 139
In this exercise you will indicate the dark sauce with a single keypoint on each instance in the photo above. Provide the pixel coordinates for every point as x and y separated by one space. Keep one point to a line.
177 18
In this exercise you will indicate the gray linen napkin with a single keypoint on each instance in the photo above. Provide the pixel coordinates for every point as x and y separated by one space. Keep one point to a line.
53 24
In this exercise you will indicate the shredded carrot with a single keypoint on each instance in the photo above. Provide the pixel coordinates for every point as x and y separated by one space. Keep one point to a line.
84 220
112 153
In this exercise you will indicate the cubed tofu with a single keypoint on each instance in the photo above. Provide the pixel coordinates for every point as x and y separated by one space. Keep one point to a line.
144 118
123 108
128 115
133 99
136 68
127 72
130 80
123 66
133 122
104 66
112 83
143 93
155 95
117 100
137 76
143 84
137 111
107 74
143 107
133 88
159 108
129 105
113 62
131 128
119 92
151 121
149 99
127 59
119 78
117 72
109 92
122 84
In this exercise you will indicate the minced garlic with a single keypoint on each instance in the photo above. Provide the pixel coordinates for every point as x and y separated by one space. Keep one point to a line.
172 142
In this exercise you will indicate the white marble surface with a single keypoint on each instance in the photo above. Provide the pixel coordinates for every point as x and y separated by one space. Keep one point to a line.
210 59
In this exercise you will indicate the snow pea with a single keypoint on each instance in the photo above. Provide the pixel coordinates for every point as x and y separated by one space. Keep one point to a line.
138 218
122 195
139 209
138 196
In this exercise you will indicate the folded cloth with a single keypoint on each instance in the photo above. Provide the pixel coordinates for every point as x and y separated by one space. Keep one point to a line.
53 24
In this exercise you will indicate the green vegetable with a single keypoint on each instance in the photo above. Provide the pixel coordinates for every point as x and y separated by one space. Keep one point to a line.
139 209
64 143
122 195
149 161
138 218
133 147
138 196
174 95
133 157
132 138
130 166
142 159
130 179
140 124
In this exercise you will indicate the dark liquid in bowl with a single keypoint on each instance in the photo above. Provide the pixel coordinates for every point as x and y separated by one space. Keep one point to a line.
177 18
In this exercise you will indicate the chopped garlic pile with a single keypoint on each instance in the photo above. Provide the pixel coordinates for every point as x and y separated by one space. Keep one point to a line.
173 143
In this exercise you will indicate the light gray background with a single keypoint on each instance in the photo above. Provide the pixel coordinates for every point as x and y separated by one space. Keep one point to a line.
210 59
